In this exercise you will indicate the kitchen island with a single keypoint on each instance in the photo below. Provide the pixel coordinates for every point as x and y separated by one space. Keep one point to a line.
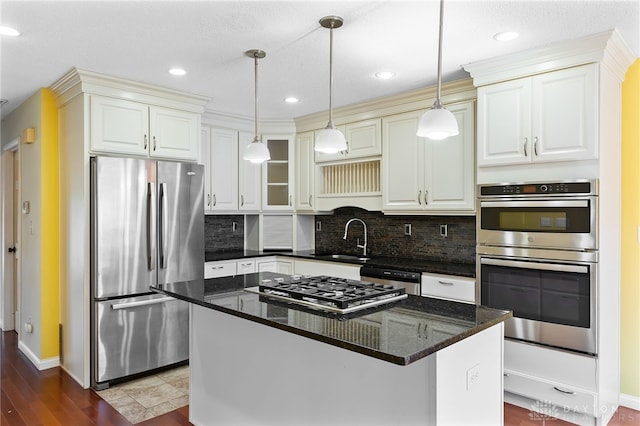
255 360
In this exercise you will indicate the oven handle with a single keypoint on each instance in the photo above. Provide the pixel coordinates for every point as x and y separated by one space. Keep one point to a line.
535 265
540 203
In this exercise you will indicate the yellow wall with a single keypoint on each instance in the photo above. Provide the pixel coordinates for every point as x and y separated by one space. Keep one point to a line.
630 264
50 307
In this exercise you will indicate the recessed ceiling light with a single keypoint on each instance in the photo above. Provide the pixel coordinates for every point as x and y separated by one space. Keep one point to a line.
177 71
385 75
506 36
8 31
291 100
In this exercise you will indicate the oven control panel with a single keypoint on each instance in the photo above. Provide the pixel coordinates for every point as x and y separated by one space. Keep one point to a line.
539 188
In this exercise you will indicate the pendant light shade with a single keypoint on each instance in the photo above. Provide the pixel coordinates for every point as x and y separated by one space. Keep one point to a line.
256 151
330 140
438 123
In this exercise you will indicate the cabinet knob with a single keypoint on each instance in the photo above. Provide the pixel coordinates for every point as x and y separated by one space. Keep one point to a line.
241 200
208 199
214 200
526 141
535 146
290 200
426 192
419 195
154 143
310 201
145 141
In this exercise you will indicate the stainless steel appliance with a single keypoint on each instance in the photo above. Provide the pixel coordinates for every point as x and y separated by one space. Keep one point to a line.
410 281
340 295
537 255
147 227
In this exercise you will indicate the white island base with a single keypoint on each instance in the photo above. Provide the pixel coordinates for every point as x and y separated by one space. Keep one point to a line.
247 373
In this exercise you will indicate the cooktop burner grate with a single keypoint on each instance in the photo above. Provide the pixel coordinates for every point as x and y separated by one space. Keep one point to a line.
337 294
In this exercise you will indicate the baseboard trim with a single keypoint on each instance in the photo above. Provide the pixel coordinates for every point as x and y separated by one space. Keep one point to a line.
43 364
630 401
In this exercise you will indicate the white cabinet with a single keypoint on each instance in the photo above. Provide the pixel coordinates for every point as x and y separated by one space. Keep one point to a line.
547 117
218 269
460 289
246 266
249 178
425 175
305 172
427 330
221 169
278 174
126 127
364 139
333 269
273 264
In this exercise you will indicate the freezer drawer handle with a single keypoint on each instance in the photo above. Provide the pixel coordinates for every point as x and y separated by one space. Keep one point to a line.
127 305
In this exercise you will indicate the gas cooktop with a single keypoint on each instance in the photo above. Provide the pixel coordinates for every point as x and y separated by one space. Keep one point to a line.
329 293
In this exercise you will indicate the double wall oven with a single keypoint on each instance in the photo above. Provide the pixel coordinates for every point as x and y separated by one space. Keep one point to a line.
537 255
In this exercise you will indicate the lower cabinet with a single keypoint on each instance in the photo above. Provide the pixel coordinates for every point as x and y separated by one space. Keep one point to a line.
459 289
240 300
274 264
226 268
333 269
395 326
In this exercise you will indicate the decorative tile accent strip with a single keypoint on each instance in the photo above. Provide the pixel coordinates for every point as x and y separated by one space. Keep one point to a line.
386 235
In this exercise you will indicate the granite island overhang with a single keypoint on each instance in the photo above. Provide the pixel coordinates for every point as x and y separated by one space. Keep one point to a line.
254 360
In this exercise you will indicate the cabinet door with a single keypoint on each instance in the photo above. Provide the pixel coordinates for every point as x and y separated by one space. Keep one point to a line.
205 159
504 123
245 266
564 114
402 169
224 172
278 174
284 267
119 126
364 138
249 178
174 134
395 329
305 172
449 165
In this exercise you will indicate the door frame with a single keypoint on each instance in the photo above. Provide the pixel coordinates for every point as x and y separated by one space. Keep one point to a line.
9 237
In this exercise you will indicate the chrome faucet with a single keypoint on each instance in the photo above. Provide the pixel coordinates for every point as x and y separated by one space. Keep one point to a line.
346 229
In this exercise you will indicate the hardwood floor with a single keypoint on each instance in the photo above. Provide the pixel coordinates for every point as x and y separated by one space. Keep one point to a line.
52 397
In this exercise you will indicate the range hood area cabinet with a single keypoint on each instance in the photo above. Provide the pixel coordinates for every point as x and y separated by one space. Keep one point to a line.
231 183
305 169
364 139
278 174
124 127
543 118
423 175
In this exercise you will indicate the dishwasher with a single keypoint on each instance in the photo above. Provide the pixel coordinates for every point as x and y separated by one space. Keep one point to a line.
410 281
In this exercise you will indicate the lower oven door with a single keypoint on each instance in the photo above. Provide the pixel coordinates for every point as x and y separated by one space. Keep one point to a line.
553 302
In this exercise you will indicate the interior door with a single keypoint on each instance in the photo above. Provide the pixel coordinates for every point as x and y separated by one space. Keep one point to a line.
9 255
180 232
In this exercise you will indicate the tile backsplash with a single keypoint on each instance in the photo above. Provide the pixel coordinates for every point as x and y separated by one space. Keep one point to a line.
219 234
386 235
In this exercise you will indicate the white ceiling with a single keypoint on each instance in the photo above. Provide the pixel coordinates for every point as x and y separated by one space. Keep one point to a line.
142 40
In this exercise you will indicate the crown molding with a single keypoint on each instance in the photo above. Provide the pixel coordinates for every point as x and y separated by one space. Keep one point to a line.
245 123
78 80
607 47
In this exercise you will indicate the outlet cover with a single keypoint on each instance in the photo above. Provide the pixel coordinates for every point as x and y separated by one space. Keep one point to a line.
473 376
318 226
407 229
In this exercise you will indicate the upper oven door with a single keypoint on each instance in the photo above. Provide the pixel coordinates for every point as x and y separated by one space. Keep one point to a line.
559 223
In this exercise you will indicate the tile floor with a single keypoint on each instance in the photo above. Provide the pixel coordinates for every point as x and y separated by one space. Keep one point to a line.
151 396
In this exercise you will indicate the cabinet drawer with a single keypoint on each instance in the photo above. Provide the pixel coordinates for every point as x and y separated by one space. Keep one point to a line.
245 266
449 287
546 392
219 269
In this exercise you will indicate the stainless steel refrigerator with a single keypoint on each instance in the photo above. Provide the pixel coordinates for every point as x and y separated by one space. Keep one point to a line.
147 227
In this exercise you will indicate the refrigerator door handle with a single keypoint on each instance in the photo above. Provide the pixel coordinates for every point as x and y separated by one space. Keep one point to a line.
162 223
126 305
150 228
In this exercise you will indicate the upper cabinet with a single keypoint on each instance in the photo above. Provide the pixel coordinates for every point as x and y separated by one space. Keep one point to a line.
546 117
126 127
420 174
305 172
249 178
364 139
277 174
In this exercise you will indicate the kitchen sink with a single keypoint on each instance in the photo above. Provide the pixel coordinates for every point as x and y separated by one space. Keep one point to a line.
349 257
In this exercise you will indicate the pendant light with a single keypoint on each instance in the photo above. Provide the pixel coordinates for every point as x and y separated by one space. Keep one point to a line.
256 152
330 140
438 123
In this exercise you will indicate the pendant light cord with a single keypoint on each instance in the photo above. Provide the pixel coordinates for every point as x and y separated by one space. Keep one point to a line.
331 75
255 112
438 102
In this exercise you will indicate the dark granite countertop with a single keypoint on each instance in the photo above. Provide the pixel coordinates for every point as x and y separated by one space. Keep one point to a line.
400 332
406 264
